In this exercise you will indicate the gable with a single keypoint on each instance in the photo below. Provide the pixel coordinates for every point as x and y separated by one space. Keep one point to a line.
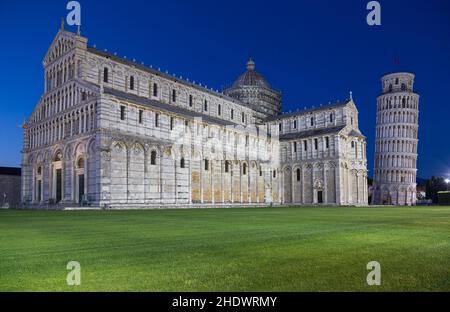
63 42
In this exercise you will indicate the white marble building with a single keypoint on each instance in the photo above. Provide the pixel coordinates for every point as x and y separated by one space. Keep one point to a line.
109 132
396 141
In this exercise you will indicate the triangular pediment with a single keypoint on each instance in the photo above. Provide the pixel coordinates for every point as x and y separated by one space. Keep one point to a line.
63 42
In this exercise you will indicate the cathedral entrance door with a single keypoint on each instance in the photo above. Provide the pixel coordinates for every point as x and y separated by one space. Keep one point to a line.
39 190
80 187
58 185
320 197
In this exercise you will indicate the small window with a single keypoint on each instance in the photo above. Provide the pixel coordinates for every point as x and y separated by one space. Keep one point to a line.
298 174
295 147
219 110
295 124
260 171
155 89
156 120
351 121
403 87
191 100
122 112
316 144
131 82
396 81
206 106
244 169
206 164
171 123
274 174
140 115
153 158
105 75
331 117
327 142
280 127
174 96
182 162
312 121
243 117
305 145
232 114
353 144
227 166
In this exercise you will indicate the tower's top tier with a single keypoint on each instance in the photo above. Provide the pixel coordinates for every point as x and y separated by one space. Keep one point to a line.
398 82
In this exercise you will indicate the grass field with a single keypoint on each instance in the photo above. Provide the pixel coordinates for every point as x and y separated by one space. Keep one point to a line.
259 249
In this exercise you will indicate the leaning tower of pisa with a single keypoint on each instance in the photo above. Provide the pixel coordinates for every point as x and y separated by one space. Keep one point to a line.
396 141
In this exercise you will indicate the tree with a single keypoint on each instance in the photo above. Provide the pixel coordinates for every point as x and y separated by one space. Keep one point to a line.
433 186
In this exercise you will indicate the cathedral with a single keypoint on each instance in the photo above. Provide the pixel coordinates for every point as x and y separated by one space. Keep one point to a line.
109 132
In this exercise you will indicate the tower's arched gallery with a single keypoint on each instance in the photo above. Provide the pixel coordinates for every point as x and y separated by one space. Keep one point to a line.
110 132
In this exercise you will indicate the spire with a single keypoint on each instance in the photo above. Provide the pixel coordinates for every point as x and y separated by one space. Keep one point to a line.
351 95
62 23
250 64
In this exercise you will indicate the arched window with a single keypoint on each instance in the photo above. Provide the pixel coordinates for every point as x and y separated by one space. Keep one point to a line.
403 87
244 169
274 174
390 88
206 106
298 174
396 81
206 164
331 117
153 158
227 166
182 162
131 82
155 89
312 121
404 103
174 95
39 170
105 75
190 101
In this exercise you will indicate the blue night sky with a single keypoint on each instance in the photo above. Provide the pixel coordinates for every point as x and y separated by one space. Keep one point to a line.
313 51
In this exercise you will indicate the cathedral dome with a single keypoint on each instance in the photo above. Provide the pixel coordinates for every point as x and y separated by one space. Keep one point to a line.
251 78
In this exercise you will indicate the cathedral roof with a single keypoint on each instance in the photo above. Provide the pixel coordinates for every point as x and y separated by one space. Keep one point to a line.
309 110
187 113
309 133
251 78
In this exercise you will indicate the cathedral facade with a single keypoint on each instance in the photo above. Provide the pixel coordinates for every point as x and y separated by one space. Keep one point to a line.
109 132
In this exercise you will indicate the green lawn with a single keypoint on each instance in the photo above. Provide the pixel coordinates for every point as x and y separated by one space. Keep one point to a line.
259 249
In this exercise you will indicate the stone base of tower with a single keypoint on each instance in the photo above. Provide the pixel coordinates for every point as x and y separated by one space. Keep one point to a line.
394 195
